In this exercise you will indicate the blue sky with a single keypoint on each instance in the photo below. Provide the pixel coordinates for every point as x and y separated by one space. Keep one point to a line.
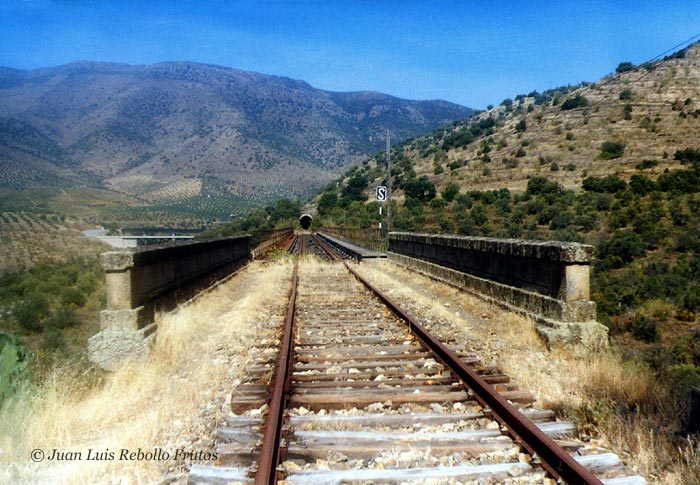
470 52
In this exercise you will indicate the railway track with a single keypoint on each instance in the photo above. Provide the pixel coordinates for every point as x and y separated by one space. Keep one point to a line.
361 393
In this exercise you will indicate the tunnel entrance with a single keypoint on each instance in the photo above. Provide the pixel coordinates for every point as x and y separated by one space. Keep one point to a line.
305 221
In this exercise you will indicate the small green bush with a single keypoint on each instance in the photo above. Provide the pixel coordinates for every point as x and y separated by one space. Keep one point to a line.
63 317
691 299
609 184
621 249
72 297
646 164
625 67
577 101
611 149
450 191
32 311
53 341
646 329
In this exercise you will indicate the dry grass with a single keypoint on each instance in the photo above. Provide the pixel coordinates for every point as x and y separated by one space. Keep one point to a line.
159 403
622 404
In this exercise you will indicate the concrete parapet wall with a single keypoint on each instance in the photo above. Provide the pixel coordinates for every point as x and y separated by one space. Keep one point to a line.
556 269
142 281
548 281
264 240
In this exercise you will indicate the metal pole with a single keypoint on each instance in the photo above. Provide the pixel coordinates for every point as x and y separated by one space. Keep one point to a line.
388 186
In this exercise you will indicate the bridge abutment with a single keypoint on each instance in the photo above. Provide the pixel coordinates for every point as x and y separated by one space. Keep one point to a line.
142 281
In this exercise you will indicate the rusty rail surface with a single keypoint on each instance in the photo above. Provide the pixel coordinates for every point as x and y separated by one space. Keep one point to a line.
270 450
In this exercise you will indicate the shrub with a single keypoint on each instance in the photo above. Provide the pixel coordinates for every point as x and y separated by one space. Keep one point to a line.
72 297
438 203
626 94
327 202
577 101
541 185
521 126
688 155
642 185
620 249
684 378
53 341
354 189
611 149
479 215
548 214
627 110
446 223
625 67
609 184
691 299
421 188
450 191
32 311
646 164
683 181
63 317
458 139
646 329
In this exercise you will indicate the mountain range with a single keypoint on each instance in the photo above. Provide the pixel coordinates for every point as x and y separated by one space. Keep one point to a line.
179 129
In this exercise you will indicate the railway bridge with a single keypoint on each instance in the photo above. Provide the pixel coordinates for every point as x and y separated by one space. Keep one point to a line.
357 376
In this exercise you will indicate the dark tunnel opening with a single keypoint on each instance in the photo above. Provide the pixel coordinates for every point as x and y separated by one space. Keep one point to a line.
305 221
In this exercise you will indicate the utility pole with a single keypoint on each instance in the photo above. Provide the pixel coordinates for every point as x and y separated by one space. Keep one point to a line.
388 185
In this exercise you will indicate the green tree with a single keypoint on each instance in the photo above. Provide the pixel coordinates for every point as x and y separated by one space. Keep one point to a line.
621 249
32 311
421 189
450 191
327 202
354 190
541 185
625 67
611 149
577 101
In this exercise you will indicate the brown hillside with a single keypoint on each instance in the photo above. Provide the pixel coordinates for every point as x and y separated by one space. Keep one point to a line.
664 98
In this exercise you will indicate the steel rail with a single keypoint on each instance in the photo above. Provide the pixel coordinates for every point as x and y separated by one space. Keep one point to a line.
269 457
330 252
303 245
552 457
289 244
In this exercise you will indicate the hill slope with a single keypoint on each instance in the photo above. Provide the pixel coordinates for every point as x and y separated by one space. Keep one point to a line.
651 110
137 129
